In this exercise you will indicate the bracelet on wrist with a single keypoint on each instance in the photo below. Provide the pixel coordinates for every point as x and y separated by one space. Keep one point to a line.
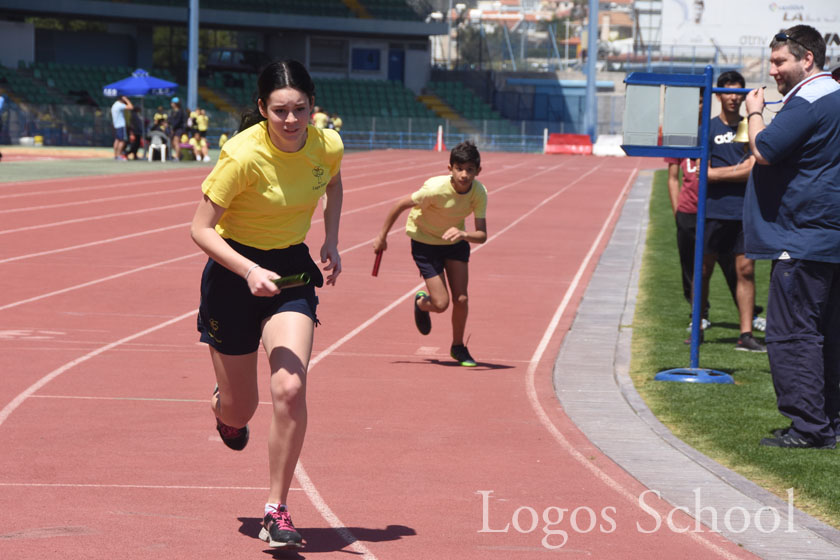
759 113
250 270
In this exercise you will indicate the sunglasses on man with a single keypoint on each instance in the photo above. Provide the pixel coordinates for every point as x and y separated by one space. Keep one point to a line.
782 36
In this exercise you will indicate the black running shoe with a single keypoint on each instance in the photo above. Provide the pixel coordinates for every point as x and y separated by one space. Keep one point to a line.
779 432
791 441
748 343
278 530
235 438
461 355
422 318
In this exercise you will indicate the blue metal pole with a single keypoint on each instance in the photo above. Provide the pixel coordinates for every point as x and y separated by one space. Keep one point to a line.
590 116
192 56
700 230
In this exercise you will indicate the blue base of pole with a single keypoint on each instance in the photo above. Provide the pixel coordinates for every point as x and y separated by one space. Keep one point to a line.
694 375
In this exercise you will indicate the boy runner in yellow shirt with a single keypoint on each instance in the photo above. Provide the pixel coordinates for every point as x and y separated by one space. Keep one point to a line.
440 243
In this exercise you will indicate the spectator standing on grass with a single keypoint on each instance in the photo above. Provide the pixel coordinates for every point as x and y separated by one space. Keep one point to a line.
135 132
729 168
118 117
683 196
120 133
2 102
177 125
202 122
792 217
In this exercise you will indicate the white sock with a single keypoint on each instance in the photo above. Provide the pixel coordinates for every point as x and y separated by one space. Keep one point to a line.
274 507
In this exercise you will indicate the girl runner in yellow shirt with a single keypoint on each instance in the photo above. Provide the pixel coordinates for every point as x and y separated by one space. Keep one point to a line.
252 220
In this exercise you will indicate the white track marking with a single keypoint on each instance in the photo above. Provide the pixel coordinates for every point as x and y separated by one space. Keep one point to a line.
331 518
94 243
98 281
18 400
133 486
97 217
112 185
96 200
537 357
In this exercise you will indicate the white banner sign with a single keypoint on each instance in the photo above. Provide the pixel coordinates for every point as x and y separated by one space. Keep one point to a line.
745 23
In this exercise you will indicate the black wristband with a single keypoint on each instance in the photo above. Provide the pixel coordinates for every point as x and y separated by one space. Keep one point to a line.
754 113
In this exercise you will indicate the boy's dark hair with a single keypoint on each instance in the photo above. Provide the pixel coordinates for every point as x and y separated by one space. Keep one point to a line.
801 39
465 152
731 77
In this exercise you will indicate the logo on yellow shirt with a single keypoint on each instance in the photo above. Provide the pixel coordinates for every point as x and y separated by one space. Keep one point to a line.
319 173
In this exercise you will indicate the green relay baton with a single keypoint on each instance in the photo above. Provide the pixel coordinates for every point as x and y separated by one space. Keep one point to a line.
292 281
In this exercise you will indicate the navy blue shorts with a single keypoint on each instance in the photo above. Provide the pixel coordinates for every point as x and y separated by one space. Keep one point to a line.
430 258
119 133
230 318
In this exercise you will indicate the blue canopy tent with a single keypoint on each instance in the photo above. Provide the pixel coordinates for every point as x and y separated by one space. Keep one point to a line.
140 84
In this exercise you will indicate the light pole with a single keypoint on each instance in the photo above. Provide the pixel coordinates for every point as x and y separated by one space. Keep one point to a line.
449 37
590 117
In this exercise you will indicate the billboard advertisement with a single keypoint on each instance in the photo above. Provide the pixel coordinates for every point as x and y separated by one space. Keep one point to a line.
745 23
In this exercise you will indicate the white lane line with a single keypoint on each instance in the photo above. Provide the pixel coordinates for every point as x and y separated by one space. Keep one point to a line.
331 518
99 280
97 217
133 486
537 357
18 400
94 243
113 184
97 200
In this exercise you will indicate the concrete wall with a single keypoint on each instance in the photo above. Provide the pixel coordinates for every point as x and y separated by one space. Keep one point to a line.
18 43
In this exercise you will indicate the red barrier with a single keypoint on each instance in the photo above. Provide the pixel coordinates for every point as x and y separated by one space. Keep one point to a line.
568 144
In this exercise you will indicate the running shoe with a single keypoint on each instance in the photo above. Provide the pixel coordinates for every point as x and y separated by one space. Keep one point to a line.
748 343
704 324
235 438
461 355
278 530
791 441
422 318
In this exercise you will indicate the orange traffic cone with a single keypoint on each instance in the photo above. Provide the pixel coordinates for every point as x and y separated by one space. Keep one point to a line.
439 145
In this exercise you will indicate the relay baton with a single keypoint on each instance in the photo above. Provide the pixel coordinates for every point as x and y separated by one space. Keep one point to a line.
292 281
376 262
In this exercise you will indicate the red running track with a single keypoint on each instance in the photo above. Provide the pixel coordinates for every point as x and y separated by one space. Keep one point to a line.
109 447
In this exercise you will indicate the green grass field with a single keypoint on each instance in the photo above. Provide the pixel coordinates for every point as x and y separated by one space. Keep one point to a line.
725 422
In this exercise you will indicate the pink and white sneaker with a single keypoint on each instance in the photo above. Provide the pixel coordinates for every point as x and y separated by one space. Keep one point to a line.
278 530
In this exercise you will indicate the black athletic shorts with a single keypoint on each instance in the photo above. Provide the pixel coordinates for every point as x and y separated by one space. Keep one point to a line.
430 258
230 318
723 237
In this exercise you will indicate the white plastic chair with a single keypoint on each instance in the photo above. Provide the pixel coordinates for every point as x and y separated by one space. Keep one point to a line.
157 142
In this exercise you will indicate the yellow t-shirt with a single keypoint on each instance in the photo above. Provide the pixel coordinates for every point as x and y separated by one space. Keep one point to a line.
201 142
202 122
270 195
438 207
320 119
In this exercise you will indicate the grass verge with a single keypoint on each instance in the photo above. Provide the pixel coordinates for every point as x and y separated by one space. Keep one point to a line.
725 422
